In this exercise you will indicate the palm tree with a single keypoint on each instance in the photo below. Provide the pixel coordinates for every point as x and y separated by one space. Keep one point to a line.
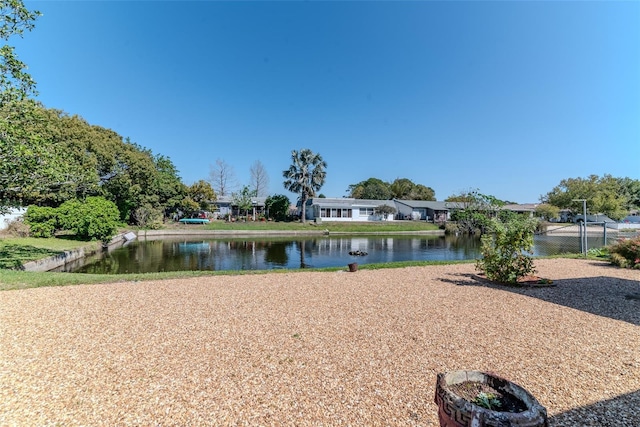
305 176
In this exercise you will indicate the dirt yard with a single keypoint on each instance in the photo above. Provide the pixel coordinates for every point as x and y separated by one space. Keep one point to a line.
318 348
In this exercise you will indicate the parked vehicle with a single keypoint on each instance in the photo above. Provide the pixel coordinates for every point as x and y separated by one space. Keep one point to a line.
593 218
631 219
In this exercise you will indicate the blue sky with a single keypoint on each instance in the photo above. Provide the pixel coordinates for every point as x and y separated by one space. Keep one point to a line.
505 97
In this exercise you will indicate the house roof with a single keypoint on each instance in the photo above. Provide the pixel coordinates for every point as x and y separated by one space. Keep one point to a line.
228 200
431 204
348 202
521 207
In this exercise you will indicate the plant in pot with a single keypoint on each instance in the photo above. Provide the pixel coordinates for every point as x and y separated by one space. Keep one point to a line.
478 399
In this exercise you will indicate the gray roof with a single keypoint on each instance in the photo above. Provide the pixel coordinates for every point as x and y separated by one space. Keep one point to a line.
229 200
348 202
431 204
521 207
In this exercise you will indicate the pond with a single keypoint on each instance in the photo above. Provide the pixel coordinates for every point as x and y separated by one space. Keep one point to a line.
257 253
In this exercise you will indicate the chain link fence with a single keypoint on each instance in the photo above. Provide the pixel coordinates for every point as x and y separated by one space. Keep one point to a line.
580 238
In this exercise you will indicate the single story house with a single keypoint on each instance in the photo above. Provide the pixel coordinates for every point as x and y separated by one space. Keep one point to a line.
350 209
345 209
524 208
426 210
224 205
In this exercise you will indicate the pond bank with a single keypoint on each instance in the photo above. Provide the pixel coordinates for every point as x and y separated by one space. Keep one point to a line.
50 263
155 234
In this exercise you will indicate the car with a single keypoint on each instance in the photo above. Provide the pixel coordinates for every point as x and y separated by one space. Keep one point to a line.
593 218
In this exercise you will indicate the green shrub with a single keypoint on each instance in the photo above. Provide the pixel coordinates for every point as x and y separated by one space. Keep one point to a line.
626 253
277 206
95 218
506 249
42 221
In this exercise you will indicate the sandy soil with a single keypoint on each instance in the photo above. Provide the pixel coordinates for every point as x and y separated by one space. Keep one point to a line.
308 349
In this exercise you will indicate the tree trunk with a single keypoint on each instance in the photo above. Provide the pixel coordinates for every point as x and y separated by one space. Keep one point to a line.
303 199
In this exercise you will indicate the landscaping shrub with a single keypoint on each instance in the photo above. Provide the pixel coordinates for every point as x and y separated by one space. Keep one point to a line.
506 249
626 253
42 221
95 218
277 206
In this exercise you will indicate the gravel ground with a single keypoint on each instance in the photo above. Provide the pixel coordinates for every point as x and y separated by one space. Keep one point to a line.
318 348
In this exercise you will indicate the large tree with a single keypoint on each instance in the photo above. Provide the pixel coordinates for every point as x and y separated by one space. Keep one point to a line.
36 164
400 188
48 157
372 188
476 210
202 194
305 176
606 195
15 82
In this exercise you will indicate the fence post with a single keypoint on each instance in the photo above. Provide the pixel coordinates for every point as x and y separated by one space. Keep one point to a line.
583 237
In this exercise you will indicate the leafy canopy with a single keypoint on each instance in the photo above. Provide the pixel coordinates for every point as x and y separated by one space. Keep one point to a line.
244 198
15 82
611 196
400 188
277 206
305 176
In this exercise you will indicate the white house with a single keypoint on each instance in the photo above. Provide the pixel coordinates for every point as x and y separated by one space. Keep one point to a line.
346 209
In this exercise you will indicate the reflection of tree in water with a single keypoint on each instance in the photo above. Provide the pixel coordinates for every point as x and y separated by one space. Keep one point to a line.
276 253
469 246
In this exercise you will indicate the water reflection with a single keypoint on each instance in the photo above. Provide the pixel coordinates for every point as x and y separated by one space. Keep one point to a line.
292 253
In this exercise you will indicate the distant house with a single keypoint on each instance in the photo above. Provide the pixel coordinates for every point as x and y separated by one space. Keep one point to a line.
346 209
350 209
426 210
224 206
524 208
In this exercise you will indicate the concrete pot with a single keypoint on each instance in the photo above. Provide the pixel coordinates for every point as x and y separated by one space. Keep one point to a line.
456 411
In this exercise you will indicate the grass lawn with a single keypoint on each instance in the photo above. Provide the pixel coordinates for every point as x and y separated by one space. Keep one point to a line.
16 251
14 279
332 227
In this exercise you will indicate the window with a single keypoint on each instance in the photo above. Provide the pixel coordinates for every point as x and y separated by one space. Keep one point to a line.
366 211
335 213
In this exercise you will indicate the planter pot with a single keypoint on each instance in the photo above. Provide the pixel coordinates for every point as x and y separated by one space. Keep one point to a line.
353 266
455 410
